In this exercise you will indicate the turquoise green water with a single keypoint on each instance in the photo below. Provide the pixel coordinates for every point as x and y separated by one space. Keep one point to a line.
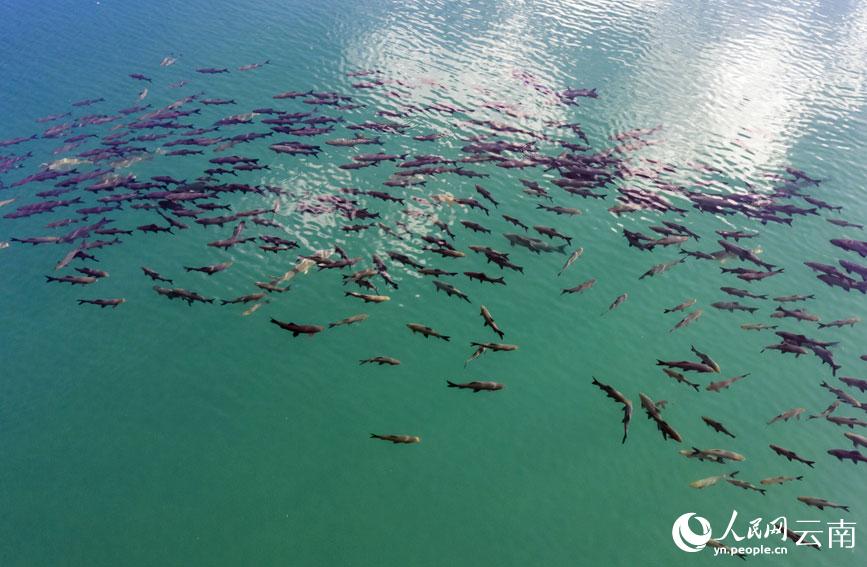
161 434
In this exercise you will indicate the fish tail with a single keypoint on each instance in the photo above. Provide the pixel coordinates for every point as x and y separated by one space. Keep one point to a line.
451 384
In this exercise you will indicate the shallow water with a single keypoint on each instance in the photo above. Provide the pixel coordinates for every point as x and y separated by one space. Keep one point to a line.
157 434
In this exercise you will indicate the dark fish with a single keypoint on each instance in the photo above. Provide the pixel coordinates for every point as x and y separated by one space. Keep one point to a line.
580 287
678 377
72 280
791 455
717 426
482 277
398 439
102 302
732 306
476 386
621 399
297 329
380 360
668 432
209 270
745 485
821 503
243 299
426 331
844 455
155 276
489 321
450 290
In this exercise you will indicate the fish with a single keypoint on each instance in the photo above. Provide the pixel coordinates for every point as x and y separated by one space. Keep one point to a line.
252 66
184 295
72 280
102 302
791 455
844 455
252 297
787 415
476 386
349 320
798 314
745 485
717 426
686 365
732 306
849 422
780 479
450 290
723 384
426 331
475 227
272 287
367 297
253 308
678 377
821 503
297 329
380 360
551 233
398 439
851 321
486 194
690 317
681 306
827 411
857 440
489 321
858 383
711 480
793 298
92 272
621 399
483 277
705 359
668 432
757 327
618 301
584 286
155 276
660 268
713 455
516 222
571 260
209 270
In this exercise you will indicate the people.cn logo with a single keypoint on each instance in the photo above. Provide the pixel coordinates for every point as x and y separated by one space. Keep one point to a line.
686 539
